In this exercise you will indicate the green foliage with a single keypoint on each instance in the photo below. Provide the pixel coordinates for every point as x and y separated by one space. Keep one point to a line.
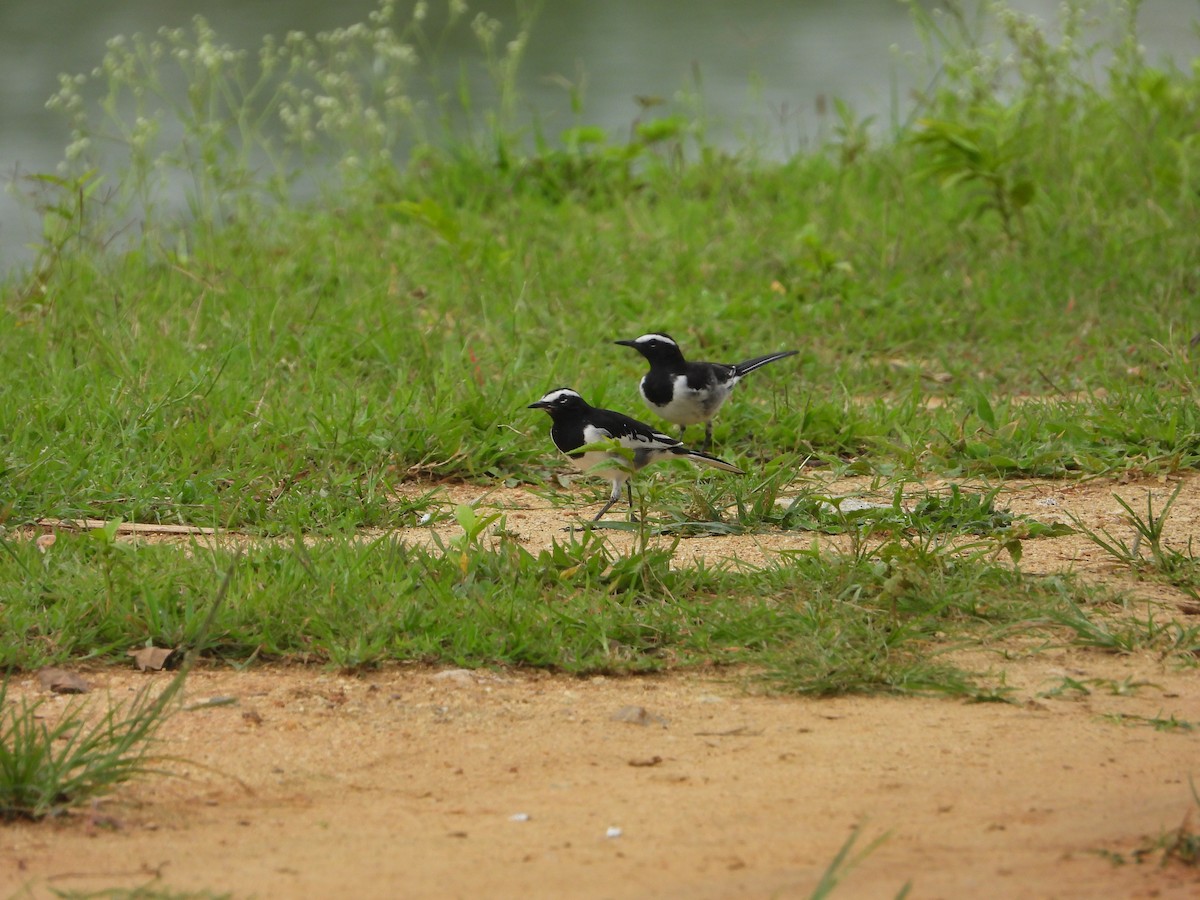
242 127
274 371
274 367
982 155
1002 288
1075 688
1128 634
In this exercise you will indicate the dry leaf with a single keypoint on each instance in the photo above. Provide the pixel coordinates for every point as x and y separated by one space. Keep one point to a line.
151 658
646 763
45 541
62 682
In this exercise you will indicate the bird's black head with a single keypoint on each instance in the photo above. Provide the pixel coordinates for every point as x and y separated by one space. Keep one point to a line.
656 347
559 401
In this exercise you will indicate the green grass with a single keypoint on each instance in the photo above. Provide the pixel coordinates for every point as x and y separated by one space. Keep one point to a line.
843 863
879 618
1002 287
285 369
1161 562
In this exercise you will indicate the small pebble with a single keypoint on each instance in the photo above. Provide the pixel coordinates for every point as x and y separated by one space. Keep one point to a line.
613 832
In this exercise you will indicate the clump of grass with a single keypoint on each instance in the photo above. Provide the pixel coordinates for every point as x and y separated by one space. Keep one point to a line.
1076 688
770 499
1171 723
1157 560
1182 844
46 768
1124 633
900 605
1179 845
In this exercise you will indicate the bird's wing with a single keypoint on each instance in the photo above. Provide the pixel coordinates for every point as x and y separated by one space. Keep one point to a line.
703 376
629 432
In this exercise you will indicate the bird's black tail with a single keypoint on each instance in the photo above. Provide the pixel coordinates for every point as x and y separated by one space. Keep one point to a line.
750 365
706 459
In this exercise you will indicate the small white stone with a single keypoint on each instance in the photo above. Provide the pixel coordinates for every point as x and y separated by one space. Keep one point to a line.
613 832
519 817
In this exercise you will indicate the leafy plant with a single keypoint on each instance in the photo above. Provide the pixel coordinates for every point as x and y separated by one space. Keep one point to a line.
987 155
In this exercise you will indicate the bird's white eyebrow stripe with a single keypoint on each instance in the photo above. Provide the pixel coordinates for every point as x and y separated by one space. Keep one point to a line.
558 394
653 336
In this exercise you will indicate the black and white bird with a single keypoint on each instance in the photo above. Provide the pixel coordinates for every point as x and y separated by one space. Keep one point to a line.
575 424
688 393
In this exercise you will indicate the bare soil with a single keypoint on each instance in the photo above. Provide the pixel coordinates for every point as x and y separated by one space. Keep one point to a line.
420 783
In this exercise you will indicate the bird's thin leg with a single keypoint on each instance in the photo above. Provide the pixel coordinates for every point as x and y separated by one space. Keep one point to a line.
707 435
629 486
616 495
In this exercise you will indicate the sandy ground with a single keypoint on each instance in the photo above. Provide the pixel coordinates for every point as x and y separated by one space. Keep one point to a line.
418 783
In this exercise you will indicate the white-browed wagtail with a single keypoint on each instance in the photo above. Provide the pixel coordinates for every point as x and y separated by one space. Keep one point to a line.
576 425
688 393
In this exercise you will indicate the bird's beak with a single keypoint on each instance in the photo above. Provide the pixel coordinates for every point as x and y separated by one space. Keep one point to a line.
626 343
541 404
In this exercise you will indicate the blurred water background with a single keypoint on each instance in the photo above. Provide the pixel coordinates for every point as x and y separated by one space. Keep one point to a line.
766 71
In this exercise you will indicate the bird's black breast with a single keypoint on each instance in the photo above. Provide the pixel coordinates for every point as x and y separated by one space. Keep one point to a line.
567 435
657 386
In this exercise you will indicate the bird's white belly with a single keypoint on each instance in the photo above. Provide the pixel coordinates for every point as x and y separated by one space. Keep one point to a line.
601 464
689 407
